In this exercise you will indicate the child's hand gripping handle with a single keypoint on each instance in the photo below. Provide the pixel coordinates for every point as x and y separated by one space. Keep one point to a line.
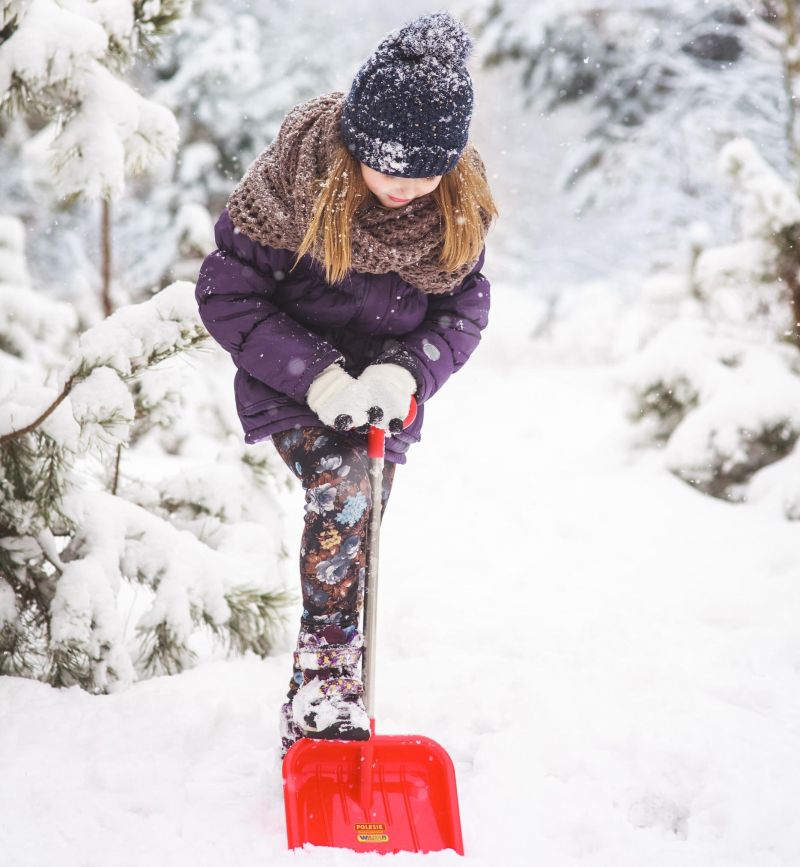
376 436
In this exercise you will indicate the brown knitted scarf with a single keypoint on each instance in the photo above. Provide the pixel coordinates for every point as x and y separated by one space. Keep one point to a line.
273 202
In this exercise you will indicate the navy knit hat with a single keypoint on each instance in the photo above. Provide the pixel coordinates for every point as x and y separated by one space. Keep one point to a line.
410 104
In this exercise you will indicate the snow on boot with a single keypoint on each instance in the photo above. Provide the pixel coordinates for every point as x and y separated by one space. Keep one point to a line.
331 708
329 704
290 731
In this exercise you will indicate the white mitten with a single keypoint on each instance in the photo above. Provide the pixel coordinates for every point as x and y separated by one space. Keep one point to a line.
390 388
338 399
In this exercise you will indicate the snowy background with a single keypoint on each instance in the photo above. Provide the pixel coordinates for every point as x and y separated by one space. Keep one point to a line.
591 600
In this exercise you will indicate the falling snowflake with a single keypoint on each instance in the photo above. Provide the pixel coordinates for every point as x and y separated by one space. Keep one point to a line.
430 350
296 366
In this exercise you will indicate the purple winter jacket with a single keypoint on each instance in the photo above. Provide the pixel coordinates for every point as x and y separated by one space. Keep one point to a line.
282 329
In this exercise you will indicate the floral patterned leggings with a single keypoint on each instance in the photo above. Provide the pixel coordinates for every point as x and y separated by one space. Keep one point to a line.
333 468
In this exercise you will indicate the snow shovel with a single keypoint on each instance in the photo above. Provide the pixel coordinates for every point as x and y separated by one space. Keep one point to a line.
390 793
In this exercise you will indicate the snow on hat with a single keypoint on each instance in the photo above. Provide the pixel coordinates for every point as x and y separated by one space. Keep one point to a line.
410 104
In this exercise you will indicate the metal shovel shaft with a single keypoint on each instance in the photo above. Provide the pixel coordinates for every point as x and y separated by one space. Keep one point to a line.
371 585
376 452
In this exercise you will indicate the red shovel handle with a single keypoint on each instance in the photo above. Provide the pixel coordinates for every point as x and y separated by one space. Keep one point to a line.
376 436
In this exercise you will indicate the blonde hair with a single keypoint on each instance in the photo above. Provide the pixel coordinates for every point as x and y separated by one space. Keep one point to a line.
460 195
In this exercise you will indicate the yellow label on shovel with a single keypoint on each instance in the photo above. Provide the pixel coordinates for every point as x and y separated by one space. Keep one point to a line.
371 832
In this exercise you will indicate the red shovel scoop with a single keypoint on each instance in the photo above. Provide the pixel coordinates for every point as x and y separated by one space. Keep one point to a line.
390 793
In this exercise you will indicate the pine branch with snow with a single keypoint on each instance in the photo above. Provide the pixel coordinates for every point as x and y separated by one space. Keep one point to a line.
72 556
64 64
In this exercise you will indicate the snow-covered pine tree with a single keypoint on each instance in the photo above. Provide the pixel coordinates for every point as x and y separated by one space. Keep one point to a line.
76 541
101 128
719 384
78 534
668 86
662 85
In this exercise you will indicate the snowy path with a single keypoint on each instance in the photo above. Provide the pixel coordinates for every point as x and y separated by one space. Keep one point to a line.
611 658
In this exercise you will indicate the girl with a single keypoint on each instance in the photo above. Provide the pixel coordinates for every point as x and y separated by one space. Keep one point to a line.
345 280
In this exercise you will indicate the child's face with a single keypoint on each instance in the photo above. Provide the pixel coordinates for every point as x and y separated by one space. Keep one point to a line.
394 192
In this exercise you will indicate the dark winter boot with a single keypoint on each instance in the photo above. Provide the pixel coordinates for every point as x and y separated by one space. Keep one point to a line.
329 702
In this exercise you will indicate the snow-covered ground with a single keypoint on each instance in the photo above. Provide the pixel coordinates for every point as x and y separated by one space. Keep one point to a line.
611 658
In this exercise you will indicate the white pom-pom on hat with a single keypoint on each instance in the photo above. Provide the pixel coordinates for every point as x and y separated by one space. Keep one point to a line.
438 35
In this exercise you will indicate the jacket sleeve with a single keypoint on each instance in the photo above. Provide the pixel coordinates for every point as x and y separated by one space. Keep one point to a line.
446 337
234 290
